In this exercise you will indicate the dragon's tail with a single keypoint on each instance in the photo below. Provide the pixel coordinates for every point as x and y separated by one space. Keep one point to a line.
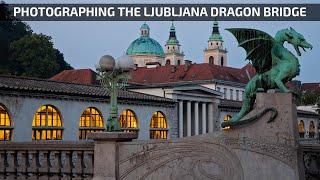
253 118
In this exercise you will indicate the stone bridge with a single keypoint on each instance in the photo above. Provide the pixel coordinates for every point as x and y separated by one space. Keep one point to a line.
259 150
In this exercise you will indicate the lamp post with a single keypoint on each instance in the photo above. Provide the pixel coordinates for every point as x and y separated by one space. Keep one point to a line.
113 76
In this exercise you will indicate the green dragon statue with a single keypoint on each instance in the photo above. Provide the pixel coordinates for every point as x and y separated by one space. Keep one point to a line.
275 66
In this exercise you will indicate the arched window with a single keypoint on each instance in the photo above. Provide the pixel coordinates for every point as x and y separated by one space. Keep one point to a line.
178 62
211 60
301 129
128 121
311 130
90 121
168 62
5 125
46 124
158 126
222 61
227 118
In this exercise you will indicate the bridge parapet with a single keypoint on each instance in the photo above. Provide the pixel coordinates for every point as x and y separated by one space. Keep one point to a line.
44 160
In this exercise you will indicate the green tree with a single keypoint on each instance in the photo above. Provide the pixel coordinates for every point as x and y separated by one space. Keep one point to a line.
11 29
21 51
34 55
310 98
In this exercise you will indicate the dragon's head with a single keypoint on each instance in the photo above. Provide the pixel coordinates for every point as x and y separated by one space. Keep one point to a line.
297 40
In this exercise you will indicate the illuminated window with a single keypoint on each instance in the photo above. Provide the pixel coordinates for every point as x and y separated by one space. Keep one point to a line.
311 130
46 124
128 121
90 121
5 125
158 126
301 129
227 118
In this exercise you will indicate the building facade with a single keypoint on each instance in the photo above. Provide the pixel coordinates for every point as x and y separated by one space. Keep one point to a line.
35 109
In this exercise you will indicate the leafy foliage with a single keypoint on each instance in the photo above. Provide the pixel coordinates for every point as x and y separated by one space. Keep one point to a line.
310 98
11 29
24 53
34 55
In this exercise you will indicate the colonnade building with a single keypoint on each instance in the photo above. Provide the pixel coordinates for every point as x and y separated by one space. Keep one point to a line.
46 110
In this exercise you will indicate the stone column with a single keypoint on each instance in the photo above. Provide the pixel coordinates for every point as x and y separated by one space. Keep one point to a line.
106 153
189 118
196 118
210 117
181 118
204 118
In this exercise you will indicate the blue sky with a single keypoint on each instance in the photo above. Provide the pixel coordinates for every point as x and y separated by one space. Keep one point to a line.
83 43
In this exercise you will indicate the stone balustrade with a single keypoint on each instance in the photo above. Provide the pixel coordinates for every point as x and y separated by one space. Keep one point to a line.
46 160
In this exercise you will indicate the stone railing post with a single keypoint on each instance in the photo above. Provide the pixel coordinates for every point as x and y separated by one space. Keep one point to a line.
106 153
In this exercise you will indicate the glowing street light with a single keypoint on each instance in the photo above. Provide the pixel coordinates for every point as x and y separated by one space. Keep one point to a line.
113 76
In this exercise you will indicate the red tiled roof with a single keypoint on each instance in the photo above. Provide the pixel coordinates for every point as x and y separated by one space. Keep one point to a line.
310 87
195 72
45 86
78 76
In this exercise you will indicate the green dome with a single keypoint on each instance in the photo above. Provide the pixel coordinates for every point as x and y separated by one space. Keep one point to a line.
215 37
145 45
172 42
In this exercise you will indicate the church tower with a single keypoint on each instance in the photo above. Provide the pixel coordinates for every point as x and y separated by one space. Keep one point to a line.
215 53
173 53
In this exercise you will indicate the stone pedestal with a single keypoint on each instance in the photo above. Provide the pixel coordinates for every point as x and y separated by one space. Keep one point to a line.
283 129
278 138
106 153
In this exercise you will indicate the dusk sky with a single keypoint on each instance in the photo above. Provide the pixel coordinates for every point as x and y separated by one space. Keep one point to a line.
83 43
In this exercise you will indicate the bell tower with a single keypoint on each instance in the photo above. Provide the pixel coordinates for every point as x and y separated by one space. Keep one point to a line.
215 53
173 53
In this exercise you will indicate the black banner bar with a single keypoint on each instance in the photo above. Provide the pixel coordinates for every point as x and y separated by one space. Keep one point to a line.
165 12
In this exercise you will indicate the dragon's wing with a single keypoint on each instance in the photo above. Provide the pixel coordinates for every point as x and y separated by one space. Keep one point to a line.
257 44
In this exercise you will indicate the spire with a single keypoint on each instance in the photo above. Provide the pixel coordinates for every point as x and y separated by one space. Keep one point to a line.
172 36
215 35
215 28
144 29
